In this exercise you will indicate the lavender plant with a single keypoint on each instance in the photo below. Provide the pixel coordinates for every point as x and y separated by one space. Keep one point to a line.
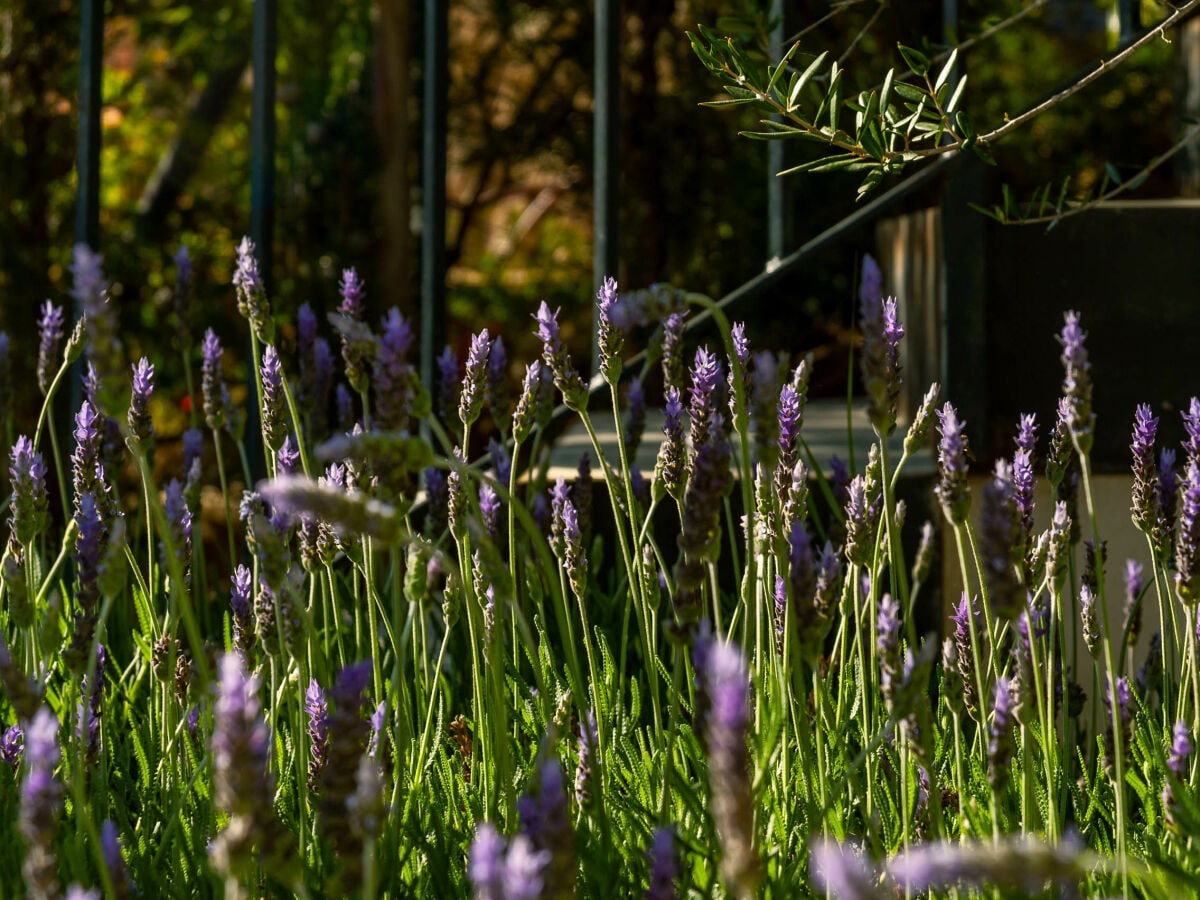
435 677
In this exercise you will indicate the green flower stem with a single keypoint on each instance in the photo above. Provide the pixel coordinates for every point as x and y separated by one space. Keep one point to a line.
1085 467
981 696
58 465
225 496
293 411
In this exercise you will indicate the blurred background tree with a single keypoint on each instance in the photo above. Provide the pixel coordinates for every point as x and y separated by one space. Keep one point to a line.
175 166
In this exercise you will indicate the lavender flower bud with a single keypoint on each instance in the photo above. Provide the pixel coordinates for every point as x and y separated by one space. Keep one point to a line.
348 742
705 374
139 400
103 330
1000 545
880 361
497 875
790 412
244 783
252 293
664 864
729 766
558 361
490 508
212 386
178 539
438 499
861 523
952 682
525 415
12 746
966 609
1133 601
952 457
242 606
394 376
634 425
1187 538
588 741
274 408
29 506
317 709
545 821
669 469
887 648
609 335
287 457
470 401
672 352
90 709
1001 743
1077 383
50 334
1181 750
1191 425
923 563
41 805
1146 512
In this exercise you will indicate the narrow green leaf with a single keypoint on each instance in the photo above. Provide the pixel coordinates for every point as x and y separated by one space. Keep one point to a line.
910 92
1138 180
957 95
835 96
1112 173
885 93
805 77
917 62
947 69
782 67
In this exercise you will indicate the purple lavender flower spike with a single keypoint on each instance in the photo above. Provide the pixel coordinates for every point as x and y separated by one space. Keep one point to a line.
29 507
497 390
664 864
669 468
90 709
1133 600
545 821
861 522
1191 425
700 529
839 480
526 413
1168 486
1077 382
741 357
274 404
952 456
634 424
490 508
1000 547
501 461
394 392
764 407
448 385
41 805
317 709
789 421
139 400
252 293
212 386
779 595
179 528
12 746
103 332
1027 434
114 861
672 352
1181 750
727 682
609 336
558 361
470 400
1001 743
437 492
242 606
1187 539
89 549
193 448
344 402
870 286
287 457
882 332
1145 510
1023 481
349 735
706 372
588 741
485 863
841 871
244 784
50 334
887 646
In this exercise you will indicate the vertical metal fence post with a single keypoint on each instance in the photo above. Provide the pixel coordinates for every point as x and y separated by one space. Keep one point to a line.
433 189
87 153
606 125
262 185
1129 20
